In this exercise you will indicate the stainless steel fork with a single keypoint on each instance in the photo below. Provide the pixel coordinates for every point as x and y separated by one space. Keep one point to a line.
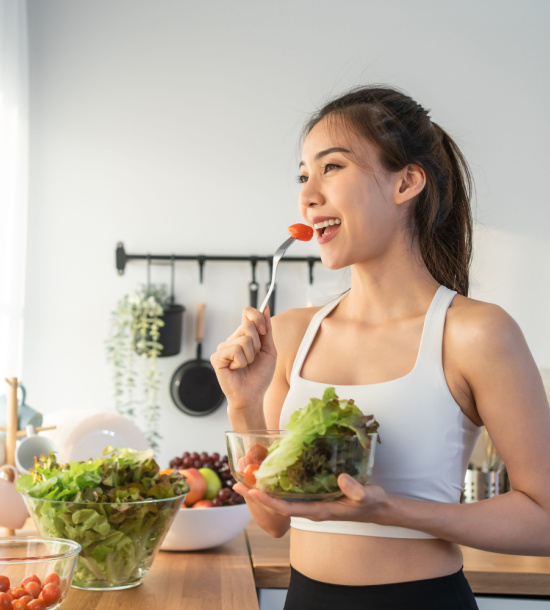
276 258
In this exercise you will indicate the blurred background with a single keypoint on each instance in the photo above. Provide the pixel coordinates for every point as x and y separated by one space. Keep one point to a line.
172 127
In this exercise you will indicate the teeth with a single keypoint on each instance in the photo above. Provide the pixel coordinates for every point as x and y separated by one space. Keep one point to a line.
327 223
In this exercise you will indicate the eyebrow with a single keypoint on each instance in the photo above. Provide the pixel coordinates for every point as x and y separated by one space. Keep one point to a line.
328 151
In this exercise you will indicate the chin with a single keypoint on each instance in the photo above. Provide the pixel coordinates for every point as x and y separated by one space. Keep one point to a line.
333 264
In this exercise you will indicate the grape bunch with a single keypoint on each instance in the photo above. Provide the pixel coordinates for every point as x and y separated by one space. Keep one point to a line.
220 465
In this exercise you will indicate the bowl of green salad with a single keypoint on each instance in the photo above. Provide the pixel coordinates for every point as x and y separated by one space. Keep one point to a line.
326 438
118 508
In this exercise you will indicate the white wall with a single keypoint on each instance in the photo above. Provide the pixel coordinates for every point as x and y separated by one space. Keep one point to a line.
172 126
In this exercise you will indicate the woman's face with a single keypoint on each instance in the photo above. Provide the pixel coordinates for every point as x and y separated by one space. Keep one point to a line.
345 187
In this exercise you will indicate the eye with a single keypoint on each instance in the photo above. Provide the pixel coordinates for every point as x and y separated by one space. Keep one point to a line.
330 166
301 179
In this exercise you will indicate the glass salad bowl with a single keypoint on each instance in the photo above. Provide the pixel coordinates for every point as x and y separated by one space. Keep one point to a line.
279 464
36 568
119 540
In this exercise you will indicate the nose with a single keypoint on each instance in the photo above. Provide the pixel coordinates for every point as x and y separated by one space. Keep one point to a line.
310 194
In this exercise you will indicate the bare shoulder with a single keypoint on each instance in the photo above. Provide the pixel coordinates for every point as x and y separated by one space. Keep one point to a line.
480 326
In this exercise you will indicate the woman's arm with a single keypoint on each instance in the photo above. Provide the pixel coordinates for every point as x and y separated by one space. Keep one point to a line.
508 392
252 368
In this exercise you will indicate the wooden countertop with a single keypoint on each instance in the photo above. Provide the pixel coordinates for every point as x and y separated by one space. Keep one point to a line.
213 579
487 573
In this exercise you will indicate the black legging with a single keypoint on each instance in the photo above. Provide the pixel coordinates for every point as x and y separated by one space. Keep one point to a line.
444 593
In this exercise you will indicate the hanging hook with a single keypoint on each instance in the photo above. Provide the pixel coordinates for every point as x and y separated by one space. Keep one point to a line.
311 262
172 262
201 260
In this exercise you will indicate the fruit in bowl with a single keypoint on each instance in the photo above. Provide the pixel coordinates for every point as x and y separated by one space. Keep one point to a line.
324 439
209 478
118 508
35 572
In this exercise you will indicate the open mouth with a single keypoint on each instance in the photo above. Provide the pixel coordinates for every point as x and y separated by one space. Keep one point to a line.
327 227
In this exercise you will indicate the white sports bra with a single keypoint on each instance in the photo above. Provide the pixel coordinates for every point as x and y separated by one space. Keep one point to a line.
426 439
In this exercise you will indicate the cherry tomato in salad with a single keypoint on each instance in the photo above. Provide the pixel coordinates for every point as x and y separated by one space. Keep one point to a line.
243 463
17 592
301 232
5 601
22 603
53 577
37 604
256 454
249 475
33 589
4 583
28 579
51 593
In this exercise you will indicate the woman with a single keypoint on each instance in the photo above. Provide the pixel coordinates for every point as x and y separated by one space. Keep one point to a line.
388 193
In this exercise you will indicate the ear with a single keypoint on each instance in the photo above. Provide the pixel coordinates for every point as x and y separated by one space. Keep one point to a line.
411 181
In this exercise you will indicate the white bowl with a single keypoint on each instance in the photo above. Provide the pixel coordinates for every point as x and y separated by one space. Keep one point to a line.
204 528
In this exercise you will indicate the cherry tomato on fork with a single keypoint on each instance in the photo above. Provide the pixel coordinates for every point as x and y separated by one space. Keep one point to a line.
301 232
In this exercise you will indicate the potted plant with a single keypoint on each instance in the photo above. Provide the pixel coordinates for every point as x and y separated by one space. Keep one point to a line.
134 345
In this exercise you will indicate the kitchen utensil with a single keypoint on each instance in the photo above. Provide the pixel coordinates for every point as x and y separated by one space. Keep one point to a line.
29 447
21 557
13 512
279 253
205 528
25 414
172 316
194 386
253 286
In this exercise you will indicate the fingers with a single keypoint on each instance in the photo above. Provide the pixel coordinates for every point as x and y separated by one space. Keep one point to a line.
351 488
243 345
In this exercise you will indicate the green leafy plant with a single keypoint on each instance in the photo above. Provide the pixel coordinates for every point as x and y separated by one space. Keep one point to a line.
133 349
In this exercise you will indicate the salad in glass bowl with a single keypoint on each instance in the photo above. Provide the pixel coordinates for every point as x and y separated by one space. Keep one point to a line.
324 439
118 508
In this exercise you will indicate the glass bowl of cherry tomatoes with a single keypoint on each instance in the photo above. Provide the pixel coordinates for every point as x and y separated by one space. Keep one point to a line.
35 572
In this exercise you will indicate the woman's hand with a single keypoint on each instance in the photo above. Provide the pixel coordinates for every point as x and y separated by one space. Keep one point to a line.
365 503
245 362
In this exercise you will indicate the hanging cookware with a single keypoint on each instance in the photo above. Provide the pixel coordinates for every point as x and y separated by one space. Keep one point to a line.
194 386
253 286
172 316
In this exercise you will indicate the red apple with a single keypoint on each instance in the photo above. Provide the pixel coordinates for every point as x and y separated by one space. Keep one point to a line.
203 504
197 485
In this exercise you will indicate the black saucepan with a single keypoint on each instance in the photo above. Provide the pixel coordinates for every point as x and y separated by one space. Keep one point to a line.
194 387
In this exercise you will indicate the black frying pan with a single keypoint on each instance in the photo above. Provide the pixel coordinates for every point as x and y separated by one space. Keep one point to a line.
194 387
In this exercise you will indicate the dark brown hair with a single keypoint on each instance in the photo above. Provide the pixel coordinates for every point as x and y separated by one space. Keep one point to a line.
404 134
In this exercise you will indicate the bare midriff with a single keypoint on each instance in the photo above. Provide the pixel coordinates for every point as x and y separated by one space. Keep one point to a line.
344 559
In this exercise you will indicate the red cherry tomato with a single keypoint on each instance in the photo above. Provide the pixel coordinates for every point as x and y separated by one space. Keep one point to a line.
17 592
37 604
22 603
256 454
28 579
301 232
4 583
249 475
33 589
51 593
5 601
53 577
243 463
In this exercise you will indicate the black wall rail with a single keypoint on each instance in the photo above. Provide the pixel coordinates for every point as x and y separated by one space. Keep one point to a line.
122 258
